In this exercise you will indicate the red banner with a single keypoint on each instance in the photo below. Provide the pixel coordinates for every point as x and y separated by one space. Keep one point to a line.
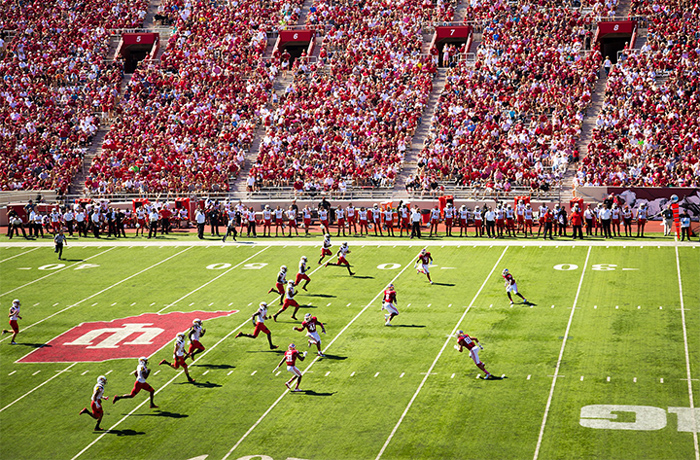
131 337
140 39
287 36
446 33
616 27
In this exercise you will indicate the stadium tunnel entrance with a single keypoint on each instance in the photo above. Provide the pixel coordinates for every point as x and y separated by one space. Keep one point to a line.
293 44
614 36
136 47
456 36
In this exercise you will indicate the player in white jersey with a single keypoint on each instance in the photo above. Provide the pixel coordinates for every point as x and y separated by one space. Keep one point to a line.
279 221
352 218
326 247
301 274
342 252
280 283
195 333
340 219
259 318
267 220
141 373
14 316
311 324
307 215
434 220
179 356
463 220
449 216
96 402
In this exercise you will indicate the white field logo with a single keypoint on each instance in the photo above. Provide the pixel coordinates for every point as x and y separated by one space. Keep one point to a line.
646 418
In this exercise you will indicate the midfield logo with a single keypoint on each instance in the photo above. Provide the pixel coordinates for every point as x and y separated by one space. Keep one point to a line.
131 337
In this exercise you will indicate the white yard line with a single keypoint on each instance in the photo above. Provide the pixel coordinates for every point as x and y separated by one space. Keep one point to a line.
54 272
432 366
20 254
37 387
103 290
687 359
274 404
561 355
212 280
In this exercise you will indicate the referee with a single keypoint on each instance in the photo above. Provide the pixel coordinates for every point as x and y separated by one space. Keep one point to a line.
59 240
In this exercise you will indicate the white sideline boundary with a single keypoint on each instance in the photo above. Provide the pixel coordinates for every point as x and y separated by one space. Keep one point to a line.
54 272
561 355
100 292
313 362
687 359
20 254
213 279
38 386
432 366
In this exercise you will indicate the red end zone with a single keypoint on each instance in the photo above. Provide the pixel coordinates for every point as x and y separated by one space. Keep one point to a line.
130 337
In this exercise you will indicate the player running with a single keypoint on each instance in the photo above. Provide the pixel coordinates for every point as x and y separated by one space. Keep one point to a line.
194 334
290 356
259 323
96 402
472 344
423 263
512 287
301 275
281 281
288 301
179 356
310 323
341 258
326 248
389 304
142 372
14 316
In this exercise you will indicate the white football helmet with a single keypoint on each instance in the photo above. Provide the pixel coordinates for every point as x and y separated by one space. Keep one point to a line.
460 333
197 322
327 236
143 360
292 346
290 283
505 271
102 380
303 258
180 336
422 251
263 304
15 302
345 243
283 268
307 316
391 285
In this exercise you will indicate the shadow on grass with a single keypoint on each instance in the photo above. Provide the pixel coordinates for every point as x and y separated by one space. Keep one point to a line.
443 284
71 260
529 304
206 384
334 357
214 366
163 413
34 345
121 432
314 393
321 295
408 325
363 277
276 352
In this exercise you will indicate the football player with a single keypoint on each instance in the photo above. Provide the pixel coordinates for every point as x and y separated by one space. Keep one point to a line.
326 248
96 402
290 356
194 334
288 301
259 318
389 304
301 275
310 323
281 281
423 263
142 372
472 344
511 286
14 316
341 258
179 356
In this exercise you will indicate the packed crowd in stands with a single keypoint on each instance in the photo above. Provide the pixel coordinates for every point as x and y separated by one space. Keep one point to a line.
55 84
648 132
513 117
348 119
187 121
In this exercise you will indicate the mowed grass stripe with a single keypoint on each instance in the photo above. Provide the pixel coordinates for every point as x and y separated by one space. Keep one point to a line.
432 366
623 352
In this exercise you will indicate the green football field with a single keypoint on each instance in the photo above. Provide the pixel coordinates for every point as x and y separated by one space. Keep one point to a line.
603 364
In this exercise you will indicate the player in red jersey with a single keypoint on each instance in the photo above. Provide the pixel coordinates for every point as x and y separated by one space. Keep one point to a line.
14 316
194 334
142 372
281 281
311 323
259 324
423 263
288 301
96 402
301 275
472 344
342 252
179 356
512 287
326 248
389 304
290 357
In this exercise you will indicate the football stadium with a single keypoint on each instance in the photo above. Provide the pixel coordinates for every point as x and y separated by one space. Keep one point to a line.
485 216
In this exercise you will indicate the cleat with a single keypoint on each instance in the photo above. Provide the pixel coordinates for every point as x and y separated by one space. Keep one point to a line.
326 264
274 317
431 282
274 347
13 343
320 354
294 318
238 335
98 429
388 323
162 362
287 385
511 302
83 411
190 379
114 401
352 274
296 390
304 288
386 317
153 406
488 377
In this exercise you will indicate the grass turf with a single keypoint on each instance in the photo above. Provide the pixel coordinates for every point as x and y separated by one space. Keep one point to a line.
356 395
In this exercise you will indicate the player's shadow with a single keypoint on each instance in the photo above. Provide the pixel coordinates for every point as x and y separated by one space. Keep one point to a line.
121 432
34 345
72 260
314 393
206 384
443 284
363 277
162 413
320 295
214 366
408 325
494 377
529 304
279 351
334 357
